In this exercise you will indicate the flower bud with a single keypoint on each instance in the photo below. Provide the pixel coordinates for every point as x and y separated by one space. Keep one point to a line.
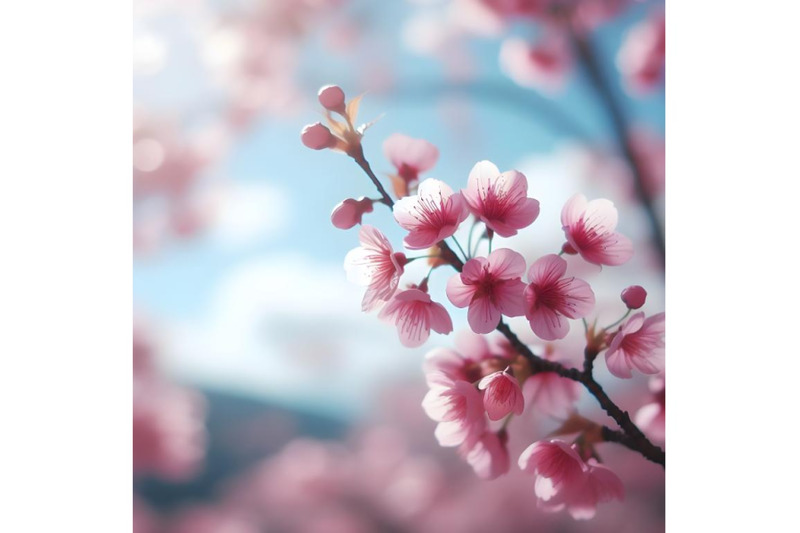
332 98
634 296
349 212
317 137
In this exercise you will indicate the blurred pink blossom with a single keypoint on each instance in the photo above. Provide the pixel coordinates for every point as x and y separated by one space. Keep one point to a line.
550 394
651 417
564 480
410 157
641 57
458 408
543 66
488 456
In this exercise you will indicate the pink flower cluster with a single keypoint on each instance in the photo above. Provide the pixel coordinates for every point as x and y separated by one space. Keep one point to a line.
476 390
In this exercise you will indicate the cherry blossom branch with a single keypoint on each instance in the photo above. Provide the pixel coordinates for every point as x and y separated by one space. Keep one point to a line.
358 157
632 437
590 63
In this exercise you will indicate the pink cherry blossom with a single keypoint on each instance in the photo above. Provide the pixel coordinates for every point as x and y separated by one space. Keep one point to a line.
376 265
564 480
415 314
457 406
410 157
542 66
634 296
551 297
491 287
651 417
462 363
550 394
638 344
348 212
500 200
589 227
431 215
502 395
488 456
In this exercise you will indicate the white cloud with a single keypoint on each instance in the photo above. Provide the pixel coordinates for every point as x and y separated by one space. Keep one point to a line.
285 327
249 213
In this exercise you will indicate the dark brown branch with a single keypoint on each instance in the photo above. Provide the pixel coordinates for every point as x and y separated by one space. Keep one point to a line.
587 57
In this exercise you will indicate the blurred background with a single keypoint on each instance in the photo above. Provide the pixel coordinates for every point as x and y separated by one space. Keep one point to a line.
264 400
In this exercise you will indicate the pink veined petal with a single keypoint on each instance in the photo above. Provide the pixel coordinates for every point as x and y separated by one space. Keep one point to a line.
451 433
434 189
617 364
403 212
509 296
458 293
513 183
413 295
418 154
605 484
614 250
483 316
472 346
371 237
551 394
547 270
421 239
480 177
573 210
473 269
506 263
634 323
524 213
656 324
356 264
548 325
601 215
650 365
579 298
443 360
488 457
440 320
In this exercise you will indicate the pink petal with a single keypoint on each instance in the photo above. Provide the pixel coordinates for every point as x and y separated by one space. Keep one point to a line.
548 325
617 364
601 215
483 316
547 270
510 298
440 319
506 263
573 210
579 298
458 293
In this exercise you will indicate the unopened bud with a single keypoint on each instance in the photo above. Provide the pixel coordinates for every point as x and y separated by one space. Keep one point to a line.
634 296
332 98
317 137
